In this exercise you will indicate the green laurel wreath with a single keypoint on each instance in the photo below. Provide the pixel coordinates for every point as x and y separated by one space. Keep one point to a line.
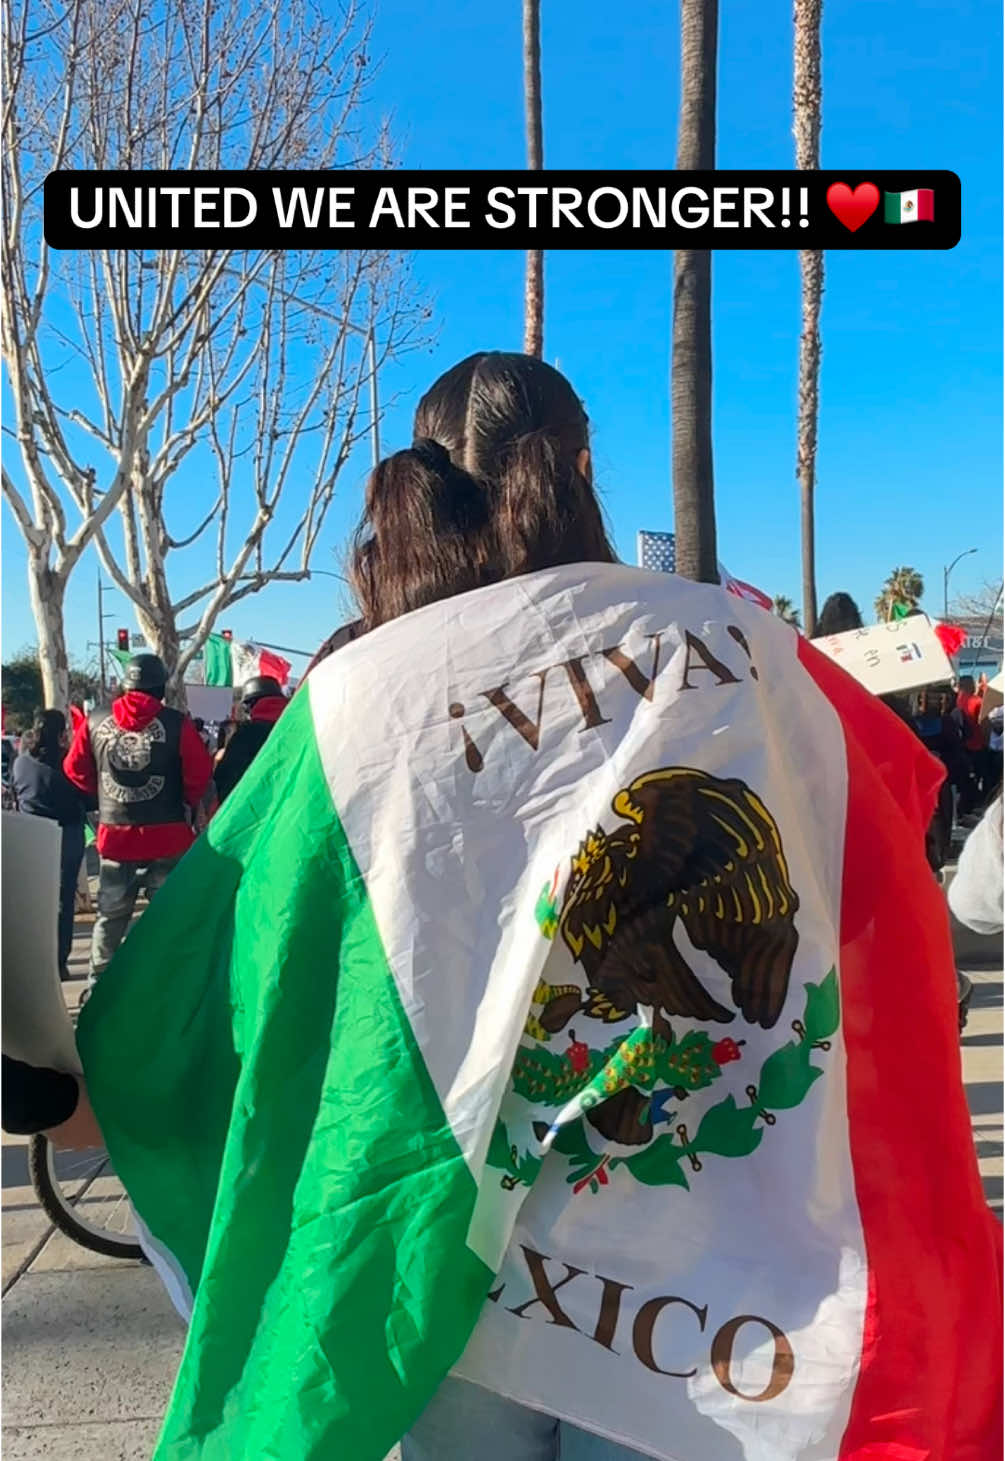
725 1130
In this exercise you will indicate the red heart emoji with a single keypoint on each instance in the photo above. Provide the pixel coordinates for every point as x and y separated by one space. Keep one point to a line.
852 208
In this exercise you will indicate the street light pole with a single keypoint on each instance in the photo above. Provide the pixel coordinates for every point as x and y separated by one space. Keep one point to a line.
945 580
102 616
101 643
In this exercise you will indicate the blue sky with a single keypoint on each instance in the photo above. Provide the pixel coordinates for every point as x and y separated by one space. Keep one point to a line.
910 432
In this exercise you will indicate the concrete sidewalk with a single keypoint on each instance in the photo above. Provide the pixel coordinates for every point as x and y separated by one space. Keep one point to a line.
91 1344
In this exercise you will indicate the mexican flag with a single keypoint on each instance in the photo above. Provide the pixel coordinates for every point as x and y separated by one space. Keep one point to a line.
226 661
229 662
916 205
562 1000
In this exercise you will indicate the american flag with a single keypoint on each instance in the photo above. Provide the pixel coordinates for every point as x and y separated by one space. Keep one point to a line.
656 551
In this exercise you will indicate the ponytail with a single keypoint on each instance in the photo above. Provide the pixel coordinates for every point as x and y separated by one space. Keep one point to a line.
547 512
425 535
491 488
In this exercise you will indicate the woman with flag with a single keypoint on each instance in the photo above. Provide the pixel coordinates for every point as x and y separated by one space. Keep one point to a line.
430 1121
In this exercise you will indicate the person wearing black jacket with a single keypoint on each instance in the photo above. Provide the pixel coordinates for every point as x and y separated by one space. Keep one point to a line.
42 790
264 702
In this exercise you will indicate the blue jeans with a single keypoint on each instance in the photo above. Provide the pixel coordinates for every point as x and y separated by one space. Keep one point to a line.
70 857
464 1422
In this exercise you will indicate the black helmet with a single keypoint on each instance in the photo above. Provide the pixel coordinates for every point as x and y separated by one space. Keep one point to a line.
258 688
145 672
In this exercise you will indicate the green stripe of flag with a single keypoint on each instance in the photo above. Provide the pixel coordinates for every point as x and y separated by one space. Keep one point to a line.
217 661
335 1284
891 207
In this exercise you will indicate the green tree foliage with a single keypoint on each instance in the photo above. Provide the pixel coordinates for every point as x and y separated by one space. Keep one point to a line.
903 587
22 688
786 610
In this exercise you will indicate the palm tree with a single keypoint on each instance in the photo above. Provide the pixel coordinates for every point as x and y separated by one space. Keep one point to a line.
903 587
691 368
806 98
786 610
533 298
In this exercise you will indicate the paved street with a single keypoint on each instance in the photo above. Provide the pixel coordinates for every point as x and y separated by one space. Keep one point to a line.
91 1343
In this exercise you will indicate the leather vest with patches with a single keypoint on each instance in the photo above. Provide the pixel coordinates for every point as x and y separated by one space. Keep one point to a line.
139 771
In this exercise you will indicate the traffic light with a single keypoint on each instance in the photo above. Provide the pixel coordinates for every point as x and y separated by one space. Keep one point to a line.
122 635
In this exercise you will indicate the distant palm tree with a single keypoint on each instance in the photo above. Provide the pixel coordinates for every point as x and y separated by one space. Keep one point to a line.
691 368
806 98
786 610
904 586
533 298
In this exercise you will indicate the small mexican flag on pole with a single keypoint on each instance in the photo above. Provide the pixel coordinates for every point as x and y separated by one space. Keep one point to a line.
918 204
226 661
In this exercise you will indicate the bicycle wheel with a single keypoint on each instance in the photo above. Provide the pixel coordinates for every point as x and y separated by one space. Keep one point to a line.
82 1197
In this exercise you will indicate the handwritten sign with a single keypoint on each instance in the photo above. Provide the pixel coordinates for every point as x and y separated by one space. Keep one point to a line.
886 658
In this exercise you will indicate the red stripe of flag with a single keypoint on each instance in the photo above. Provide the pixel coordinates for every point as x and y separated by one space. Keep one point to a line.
274 665
929 1385
747 591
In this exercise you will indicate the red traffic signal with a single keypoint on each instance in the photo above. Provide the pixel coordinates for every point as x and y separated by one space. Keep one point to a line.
123 637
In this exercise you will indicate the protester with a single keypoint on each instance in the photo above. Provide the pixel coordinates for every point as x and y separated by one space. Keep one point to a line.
149 770
42 790
839 614
968 706
429 1101
224 732
967 698
263 701
976 893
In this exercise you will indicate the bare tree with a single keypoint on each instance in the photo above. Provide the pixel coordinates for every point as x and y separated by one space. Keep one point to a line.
533 304
807 93
691 369
983 605
246 368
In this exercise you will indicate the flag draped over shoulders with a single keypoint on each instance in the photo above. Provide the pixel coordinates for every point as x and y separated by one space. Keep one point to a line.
562 1000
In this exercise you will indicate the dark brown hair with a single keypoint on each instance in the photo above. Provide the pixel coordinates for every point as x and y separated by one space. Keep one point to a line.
42 742
490 488
839 614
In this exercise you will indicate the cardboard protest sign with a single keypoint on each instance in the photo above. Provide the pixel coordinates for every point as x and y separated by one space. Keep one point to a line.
886 658
36 1026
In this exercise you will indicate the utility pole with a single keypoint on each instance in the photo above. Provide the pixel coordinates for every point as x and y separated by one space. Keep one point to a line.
101 644
945 580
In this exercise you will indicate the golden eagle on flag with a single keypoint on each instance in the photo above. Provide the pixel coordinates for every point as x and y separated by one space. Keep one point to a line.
701 850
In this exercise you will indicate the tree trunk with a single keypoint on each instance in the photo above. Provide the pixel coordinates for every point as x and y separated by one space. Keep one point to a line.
46 594
806 110
533 305
811 265
159 631
691 369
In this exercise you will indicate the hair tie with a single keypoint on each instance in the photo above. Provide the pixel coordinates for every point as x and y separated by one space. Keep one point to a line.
432 454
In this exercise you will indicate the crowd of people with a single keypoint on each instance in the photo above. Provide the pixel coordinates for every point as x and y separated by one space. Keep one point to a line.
147 773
